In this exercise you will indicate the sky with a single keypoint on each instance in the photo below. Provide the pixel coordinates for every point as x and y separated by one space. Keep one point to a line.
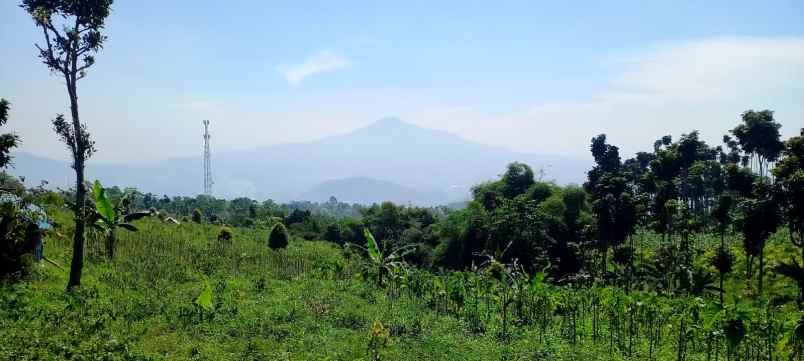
529 76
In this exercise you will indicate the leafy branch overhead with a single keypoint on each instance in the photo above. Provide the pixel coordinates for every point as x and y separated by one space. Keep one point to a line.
8 141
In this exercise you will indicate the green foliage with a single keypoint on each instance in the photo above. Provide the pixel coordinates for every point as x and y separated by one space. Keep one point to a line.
612 200
758 135
373 248
516 180
17 227
225 234
278 238
198 217
103 205
723 260
73 33
8 141
109 217
11 184
204 299
734 330
789 186
378 340
333 234
380 263
309 302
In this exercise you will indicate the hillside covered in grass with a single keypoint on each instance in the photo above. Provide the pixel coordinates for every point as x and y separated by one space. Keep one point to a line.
315 300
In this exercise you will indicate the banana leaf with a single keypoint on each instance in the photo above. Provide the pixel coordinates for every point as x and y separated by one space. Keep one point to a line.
373 248
135 216
128 226
102 204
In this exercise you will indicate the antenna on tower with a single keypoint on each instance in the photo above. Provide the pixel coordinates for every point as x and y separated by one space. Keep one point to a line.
207 162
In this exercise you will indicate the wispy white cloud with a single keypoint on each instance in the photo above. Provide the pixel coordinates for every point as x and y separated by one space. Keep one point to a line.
321 62
670 89
676 88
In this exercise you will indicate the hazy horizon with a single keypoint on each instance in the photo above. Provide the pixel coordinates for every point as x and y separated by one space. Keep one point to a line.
382 161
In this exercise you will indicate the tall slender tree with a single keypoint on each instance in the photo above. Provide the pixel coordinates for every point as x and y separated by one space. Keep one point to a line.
723 259
73 32
760 219
612 199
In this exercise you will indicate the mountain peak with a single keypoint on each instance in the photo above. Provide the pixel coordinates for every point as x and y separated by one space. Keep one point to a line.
390 123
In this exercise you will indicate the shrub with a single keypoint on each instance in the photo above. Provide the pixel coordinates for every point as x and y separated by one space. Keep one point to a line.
197 216
225 235
278 238
16 232
378 340
333 234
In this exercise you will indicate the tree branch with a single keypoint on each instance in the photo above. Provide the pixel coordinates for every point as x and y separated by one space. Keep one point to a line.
52 61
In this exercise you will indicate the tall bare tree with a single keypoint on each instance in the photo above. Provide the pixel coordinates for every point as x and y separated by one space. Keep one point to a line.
73 34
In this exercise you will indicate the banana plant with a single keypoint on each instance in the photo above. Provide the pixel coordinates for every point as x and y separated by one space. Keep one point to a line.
384 263
110 217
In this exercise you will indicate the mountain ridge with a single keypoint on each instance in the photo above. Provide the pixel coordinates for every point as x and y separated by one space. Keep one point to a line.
430 162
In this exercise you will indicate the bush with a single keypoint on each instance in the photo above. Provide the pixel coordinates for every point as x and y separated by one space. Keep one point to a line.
225 235
197 216
278 238
333 234
16 232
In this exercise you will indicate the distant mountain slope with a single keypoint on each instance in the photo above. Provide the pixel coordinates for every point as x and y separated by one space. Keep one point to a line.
438 166
367 191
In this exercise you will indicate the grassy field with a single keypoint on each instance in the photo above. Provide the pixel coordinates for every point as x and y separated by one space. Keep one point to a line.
312 301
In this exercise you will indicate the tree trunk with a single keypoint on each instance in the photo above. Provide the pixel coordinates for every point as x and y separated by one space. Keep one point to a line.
111 244
761 268
749 269
79 153
723 248
77 263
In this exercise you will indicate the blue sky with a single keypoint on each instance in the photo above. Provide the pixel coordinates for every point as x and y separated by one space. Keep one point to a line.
534 77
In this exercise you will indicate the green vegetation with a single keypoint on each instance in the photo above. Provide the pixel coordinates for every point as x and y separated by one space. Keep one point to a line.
73 33
623 267
675 254
278 238
109 217
175 292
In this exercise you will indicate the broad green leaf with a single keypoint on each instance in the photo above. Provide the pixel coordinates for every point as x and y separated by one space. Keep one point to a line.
102 204
100 225
204 300
373 248
129 227
135 216
538 278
